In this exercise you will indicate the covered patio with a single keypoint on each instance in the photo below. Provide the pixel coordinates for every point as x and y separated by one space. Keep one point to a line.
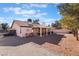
40 30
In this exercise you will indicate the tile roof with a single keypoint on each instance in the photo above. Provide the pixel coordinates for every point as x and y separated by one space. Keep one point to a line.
22 23
25 23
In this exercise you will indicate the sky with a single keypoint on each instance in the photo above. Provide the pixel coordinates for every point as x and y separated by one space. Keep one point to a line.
45 12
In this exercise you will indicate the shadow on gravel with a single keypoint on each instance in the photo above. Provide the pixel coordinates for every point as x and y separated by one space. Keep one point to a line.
15 41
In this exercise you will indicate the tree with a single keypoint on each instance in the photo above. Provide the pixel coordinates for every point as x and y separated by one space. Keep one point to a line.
56 25
0 27
70 19
36 21
49 25
29 20
68 22
4 26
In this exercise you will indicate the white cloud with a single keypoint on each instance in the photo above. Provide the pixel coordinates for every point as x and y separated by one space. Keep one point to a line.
39 5
40 14
47 21
14 9
22 19
58 12
1 19
5 9
18 3
37 15
35 5
28 12
18 10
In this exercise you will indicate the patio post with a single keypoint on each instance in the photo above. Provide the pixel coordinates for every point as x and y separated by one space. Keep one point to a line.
50 32
40 32
46 31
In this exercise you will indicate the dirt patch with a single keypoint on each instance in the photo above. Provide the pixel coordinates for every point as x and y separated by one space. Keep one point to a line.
67 46
29 49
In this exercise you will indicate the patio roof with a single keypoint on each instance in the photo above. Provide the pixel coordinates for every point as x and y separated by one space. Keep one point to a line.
40 26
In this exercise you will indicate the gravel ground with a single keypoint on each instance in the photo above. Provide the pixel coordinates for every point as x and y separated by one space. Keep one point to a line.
53 45
29 49
68 46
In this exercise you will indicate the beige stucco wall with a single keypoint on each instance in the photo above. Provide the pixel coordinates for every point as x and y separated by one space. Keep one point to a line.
25 31
17 28
22 31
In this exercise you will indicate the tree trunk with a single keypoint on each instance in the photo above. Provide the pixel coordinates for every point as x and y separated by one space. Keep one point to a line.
76 34
73 31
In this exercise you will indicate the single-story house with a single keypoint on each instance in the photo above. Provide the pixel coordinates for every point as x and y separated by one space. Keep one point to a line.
23 28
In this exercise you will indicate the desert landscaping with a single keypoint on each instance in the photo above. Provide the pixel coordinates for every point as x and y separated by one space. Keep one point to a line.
68 46
39 29
37 46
